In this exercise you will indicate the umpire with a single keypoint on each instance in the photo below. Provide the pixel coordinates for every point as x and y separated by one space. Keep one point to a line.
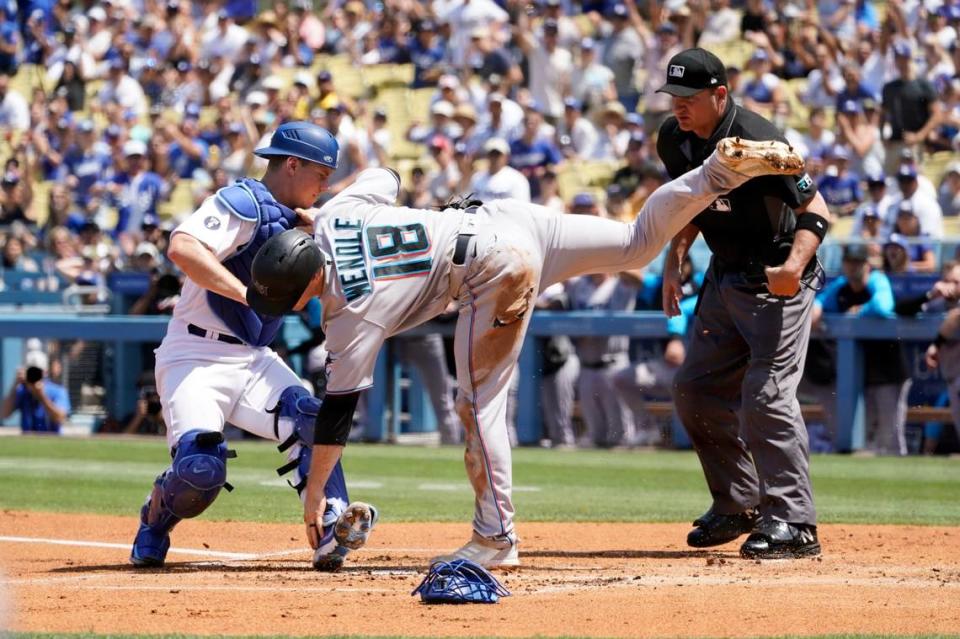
736 390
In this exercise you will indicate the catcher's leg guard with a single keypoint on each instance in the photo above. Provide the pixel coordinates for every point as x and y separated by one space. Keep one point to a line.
294 419
184 490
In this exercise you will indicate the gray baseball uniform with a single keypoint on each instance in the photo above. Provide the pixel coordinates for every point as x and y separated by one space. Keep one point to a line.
608 420
950 369
393 268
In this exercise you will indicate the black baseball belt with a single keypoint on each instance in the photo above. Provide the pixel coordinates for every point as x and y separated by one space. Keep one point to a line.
193 329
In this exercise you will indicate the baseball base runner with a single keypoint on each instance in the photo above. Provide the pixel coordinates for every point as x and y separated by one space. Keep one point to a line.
380 269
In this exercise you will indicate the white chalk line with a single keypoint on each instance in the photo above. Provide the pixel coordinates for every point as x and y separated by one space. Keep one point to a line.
575 580
101 544
236 556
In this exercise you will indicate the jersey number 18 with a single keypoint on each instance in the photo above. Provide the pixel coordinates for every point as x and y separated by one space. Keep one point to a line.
393 247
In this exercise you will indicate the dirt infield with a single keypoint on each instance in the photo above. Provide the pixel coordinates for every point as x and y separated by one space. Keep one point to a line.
68 573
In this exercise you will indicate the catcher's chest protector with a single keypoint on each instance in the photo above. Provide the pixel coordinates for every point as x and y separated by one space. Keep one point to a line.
250 201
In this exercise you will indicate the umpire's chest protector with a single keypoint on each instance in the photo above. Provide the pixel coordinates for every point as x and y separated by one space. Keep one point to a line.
252 202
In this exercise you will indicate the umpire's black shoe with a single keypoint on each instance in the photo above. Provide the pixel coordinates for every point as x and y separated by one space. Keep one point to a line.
714 529
781 540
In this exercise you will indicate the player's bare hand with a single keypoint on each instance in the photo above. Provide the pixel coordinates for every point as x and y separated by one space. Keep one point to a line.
306 217
932 357
671 292
783 282
946 290
313 506
675 352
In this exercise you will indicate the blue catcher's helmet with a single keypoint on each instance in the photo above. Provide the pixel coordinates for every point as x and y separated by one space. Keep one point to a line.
303 140
459 581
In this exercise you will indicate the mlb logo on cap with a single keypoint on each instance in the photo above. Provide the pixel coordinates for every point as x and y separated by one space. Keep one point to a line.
692 71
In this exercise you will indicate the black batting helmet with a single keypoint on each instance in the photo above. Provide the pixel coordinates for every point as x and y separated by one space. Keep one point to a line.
281 272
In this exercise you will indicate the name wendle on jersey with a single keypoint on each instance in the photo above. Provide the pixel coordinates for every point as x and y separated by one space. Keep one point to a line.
348 257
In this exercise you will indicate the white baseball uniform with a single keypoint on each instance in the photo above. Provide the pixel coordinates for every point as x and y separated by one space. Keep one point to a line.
393 268
203 382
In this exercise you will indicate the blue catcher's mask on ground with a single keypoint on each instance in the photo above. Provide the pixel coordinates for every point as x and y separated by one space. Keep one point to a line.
459 581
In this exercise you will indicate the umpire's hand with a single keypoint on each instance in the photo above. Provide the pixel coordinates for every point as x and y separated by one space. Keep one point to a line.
672 291
783 282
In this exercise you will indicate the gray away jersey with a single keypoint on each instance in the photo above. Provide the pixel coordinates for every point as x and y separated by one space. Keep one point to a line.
390 272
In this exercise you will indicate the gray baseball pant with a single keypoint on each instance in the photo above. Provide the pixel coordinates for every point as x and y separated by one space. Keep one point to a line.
557 392
606 416
736 393
886 417
425 354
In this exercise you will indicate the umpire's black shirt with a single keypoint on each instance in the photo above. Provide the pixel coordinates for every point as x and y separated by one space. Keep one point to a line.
743 226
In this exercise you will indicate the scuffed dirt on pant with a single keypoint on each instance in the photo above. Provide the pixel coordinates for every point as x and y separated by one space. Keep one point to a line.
473 454
499 344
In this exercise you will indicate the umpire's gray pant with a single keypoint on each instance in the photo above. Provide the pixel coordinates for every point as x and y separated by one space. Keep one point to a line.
746 356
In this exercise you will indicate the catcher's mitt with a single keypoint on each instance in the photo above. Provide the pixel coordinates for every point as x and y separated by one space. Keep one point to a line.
459 581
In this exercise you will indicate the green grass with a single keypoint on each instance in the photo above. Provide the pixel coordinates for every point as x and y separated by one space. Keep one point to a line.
428 484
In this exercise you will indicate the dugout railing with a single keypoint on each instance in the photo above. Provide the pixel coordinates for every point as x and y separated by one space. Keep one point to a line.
384 399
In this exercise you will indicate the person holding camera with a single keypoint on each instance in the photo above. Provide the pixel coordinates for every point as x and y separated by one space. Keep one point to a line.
148 417
43 404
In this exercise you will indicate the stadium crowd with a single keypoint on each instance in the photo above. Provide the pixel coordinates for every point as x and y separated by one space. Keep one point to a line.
117 117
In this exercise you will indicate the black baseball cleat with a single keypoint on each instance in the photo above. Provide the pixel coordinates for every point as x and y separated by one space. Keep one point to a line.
781 540
714 529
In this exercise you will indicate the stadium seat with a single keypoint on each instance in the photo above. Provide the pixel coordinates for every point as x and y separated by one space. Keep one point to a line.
180 202
934 165
842 227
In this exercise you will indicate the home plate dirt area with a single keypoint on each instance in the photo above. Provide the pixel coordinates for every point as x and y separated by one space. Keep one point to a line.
69 573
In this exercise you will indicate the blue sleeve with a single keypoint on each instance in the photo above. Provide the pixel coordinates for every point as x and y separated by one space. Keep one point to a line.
857 192
20 397
59 396
651 284
553 154
678 325
827 298
881 299
314 313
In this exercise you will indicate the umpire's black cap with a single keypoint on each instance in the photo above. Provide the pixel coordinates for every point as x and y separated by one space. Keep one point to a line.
281 272
691 71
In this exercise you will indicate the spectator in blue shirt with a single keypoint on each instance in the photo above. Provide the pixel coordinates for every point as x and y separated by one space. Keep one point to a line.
188 151
140 191
43 404
863 292
840 188
86 163
532 154
426 53
9 45
853 88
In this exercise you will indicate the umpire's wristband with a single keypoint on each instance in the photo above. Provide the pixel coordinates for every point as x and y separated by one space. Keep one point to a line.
816 224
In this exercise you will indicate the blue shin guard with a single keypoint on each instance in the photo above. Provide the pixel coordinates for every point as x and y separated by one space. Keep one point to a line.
298 410
184 490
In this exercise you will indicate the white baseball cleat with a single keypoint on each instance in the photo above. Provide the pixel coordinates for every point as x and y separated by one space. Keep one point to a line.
354 525
488 553
755 158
